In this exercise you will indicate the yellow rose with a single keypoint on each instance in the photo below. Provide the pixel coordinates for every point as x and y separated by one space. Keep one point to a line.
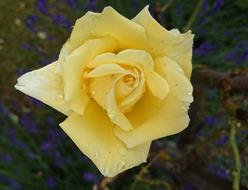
122 83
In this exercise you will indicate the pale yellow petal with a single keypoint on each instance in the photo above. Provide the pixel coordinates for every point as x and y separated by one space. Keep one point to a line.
106 69
157 85
129 57
115 114
72 70
133 97
93 134
45 85
102 90
153 118
99 88
170 43
108 23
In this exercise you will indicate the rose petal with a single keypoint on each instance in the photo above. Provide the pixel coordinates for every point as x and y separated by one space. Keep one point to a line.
95 25
45 85
114 113
108 69
129 57
153 118
157 85
170 43
93 134
132 98
72 70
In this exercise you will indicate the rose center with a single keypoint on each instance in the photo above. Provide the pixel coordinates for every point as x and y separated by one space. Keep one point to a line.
127 84
129 80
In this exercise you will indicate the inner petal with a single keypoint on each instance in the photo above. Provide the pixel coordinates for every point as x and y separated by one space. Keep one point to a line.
106 69
116 89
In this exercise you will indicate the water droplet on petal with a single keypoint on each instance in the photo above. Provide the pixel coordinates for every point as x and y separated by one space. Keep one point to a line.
122 151
60 97
107 92
122 165
184 108
84 86
179 69
95 155
190 93
111 115
93 92
87 146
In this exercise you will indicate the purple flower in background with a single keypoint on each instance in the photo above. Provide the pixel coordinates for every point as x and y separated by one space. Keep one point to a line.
58 161
219 170
35 102
27 121
21 71
211 120
205 48
188 187
217 6
90 177
33 48
11 134
71 3
45 146
30 22
239 53
7 158
42 6
202 15
62 21
26 46
4 110
91 5
11 183
51 181
222 140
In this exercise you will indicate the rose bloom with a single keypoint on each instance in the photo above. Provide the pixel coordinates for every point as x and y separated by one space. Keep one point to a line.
122 83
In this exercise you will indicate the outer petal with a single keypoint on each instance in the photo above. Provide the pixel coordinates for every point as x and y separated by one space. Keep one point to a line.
170 43
108 23
72 70
45 85
93 134
153 118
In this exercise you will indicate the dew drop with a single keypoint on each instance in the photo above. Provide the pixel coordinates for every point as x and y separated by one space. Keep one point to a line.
95 155
87 146
179 69
60 97
122 165
93 92
190 93
184 108
111 115
122 151
107 92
